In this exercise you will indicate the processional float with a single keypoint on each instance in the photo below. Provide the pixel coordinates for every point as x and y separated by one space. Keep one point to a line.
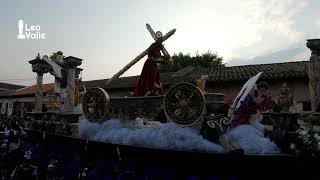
183 103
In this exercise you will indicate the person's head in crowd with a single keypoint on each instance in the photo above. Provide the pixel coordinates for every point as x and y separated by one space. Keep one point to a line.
4 147
27 158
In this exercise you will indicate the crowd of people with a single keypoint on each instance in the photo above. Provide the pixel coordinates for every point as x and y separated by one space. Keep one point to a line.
26 157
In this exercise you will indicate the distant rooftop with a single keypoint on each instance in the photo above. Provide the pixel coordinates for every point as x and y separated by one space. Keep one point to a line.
287 70
26 91
6 86
284 70
32 89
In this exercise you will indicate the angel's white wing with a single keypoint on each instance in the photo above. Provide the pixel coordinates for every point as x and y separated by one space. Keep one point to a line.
251 84
245 90
56 68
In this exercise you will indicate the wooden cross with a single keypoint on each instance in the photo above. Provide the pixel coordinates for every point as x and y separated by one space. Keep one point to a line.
158 38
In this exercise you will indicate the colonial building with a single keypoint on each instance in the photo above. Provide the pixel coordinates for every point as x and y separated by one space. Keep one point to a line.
226 80
6 90
19 102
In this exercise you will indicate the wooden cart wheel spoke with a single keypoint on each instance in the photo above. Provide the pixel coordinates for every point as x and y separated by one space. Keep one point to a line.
92 99
191 96
96 104
184 104
98 101
176 96
91 111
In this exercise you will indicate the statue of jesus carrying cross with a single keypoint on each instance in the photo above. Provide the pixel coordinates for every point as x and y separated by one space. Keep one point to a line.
149 83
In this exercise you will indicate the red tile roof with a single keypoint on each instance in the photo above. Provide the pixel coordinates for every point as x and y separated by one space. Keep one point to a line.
6 93
32 89
270 71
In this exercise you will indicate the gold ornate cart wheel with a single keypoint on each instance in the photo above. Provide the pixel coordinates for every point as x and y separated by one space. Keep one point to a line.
184 104
96 104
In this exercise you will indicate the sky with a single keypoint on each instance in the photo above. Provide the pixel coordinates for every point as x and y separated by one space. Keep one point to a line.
109 34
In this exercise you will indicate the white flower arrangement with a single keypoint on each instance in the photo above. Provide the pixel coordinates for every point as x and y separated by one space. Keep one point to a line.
316 136
307 140
292 146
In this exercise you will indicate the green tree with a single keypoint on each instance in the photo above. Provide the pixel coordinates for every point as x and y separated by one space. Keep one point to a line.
180 60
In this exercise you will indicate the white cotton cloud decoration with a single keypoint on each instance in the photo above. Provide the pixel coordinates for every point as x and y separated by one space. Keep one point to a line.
252 140
171 136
